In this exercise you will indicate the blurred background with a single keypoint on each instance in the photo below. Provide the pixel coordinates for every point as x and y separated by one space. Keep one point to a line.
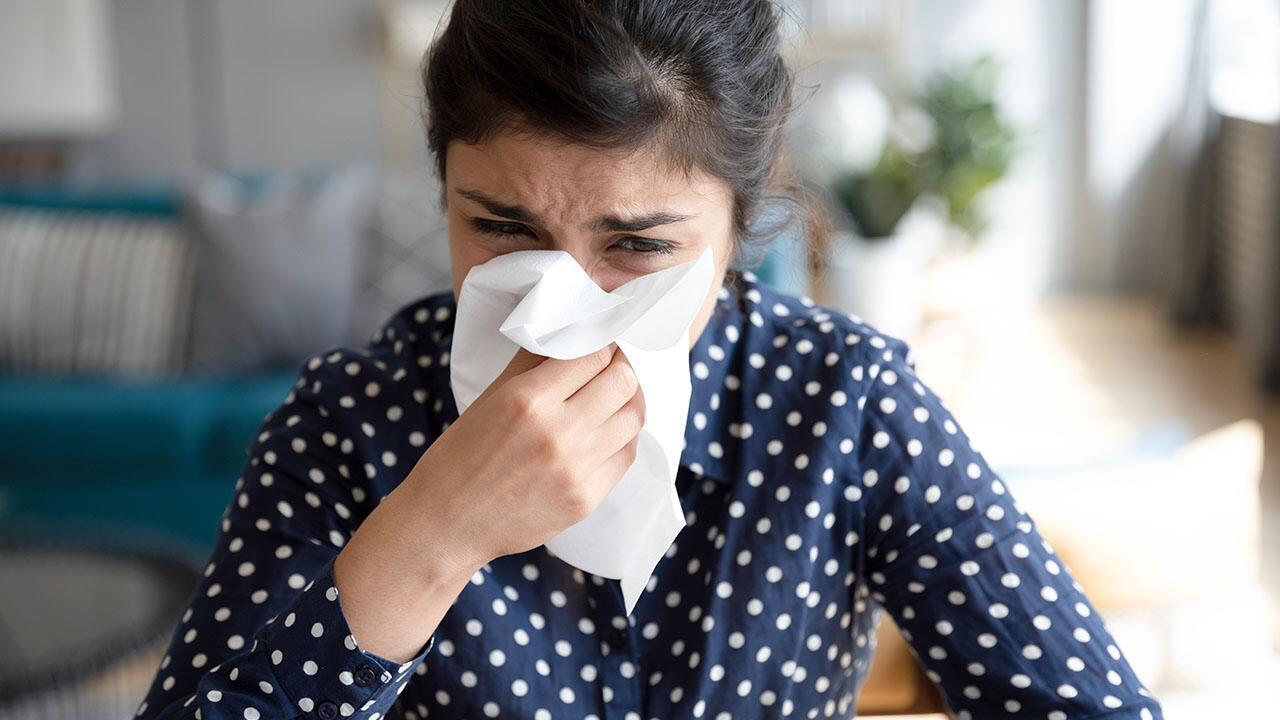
1067 207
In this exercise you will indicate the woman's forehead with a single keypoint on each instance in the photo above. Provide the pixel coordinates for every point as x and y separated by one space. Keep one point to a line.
549 175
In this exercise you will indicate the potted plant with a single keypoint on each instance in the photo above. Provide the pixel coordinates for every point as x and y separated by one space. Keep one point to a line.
972 143
919 195
875 268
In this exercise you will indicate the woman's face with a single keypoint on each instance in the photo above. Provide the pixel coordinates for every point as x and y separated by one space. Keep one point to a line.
619 216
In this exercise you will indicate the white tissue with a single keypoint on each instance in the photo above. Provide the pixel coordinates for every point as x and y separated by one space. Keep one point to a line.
545 302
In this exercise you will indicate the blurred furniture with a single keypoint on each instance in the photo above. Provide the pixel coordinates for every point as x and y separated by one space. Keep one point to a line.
102 420
1114 429
83 623
98 420
896 684
1189 524
907 716
160 454
93 282
1245 232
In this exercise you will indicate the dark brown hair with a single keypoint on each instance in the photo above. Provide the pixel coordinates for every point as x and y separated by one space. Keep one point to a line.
701 80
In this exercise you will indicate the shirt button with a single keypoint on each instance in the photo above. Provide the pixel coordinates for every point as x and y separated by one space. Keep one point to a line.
327 711
618 638
365 676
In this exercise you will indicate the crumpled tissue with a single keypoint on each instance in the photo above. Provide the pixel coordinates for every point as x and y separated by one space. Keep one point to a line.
543 301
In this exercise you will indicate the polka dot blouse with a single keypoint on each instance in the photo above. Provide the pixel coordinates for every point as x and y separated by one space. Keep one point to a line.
822 482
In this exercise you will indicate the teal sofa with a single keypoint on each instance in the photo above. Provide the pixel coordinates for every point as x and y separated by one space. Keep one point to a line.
96 454
156 457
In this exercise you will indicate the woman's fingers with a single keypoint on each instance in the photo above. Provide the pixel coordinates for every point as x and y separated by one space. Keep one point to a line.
613 468
601 397
560 379
521 362
620 428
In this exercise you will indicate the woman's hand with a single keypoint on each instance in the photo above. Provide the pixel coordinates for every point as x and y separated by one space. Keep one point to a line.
537 451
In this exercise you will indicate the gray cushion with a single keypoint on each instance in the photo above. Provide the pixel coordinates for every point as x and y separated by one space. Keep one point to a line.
91 292
406 250
279 266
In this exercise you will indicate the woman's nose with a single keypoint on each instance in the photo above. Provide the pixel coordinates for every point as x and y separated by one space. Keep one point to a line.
594 265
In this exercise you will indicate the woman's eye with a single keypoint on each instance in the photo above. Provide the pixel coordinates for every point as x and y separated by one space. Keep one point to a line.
637 245
494 227
643 245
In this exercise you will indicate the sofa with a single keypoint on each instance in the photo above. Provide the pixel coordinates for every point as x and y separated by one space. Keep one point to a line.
108 423
158 456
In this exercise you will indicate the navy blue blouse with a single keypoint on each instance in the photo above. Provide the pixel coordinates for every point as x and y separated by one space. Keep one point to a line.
823 482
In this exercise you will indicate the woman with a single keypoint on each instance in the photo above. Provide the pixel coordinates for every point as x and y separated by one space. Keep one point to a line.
378 545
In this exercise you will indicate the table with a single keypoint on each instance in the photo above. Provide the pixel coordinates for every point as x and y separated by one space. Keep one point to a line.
84 622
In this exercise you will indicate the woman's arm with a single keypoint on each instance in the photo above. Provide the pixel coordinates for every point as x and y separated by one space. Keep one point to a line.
265 634
535 452
995 618
394 607
332 504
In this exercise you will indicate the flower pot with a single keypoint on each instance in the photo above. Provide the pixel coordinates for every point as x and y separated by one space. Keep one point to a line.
880 280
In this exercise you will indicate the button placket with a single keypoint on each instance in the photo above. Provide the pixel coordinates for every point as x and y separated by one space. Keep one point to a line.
618 639
626 698
366 676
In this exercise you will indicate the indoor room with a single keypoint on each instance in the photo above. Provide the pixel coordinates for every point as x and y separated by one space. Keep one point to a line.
923 360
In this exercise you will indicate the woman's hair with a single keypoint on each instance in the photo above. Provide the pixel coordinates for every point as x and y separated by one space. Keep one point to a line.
701 80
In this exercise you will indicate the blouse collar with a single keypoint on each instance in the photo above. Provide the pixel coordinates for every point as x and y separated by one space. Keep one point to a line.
714 425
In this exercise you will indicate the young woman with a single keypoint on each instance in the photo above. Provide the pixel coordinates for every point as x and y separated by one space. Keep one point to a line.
383 556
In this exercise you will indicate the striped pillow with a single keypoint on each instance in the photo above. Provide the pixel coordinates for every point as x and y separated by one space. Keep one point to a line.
97 293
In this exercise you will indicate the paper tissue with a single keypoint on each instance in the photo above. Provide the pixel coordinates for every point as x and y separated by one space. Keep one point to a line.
544 301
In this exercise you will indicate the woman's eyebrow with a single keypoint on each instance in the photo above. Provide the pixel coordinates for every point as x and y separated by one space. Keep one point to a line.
511 212
614 223
637 223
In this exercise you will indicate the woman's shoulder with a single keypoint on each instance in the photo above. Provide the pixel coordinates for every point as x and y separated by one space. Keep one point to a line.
415 334
782 382
373 405
829 350
411 343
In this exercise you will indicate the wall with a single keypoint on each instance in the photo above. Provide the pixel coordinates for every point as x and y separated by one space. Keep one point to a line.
1138 69
1034 223
241 85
